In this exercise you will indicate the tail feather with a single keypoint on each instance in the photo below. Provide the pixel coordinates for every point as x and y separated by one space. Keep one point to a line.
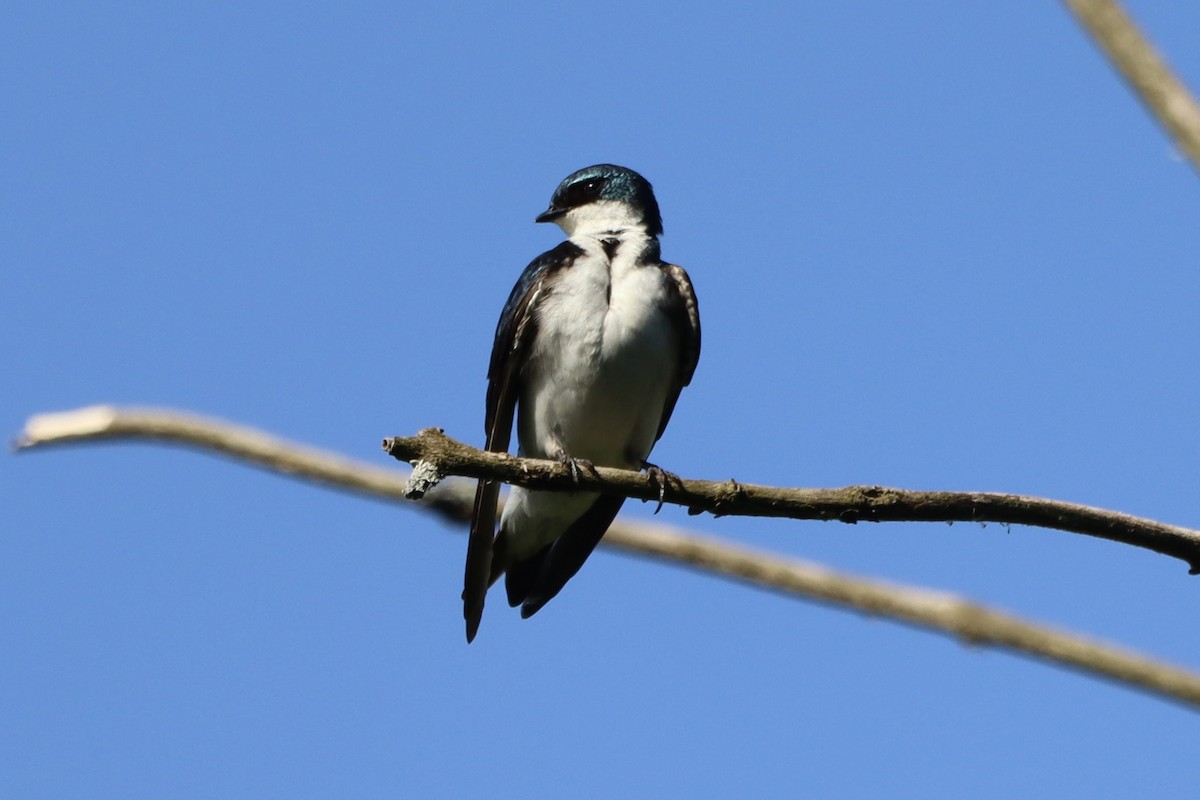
479 555
521 576
558 563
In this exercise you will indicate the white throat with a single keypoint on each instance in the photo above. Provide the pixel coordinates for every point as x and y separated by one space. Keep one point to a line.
601 218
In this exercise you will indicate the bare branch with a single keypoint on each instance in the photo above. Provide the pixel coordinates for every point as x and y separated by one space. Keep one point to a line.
248 444
850 504
1168 100
935 611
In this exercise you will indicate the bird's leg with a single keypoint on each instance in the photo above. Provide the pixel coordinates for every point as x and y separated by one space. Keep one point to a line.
660 477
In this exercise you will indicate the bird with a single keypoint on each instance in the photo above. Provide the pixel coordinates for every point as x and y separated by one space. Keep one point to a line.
597 339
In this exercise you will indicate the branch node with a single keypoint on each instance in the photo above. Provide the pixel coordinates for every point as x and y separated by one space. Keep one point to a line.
425 476
730 496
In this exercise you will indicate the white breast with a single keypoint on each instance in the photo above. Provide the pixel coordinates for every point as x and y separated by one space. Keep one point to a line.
602 362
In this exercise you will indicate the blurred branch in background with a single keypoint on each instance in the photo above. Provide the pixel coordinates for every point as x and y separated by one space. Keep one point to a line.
936 611
1167 98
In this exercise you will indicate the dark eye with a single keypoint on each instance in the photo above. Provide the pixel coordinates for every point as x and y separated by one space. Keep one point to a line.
583 192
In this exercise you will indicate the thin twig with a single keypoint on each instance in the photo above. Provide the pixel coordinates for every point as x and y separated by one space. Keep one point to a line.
935 611
849 504
1166 97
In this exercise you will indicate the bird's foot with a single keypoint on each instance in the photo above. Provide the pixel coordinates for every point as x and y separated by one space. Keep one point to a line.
576 466
661 478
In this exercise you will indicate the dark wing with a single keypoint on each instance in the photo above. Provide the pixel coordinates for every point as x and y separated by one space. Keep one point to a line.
534 582
515 330
685 319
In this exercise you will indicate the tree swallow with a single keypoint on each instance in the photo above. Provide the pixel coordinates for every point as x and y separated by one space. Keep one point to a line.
596 341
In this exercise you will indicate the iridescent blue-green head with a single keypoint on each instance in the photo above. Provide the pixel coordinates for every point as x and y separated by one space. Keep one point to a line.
602 191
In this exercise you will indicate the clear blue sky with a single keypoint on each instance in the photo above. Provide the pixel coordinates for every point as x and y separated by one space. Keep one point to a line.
935 246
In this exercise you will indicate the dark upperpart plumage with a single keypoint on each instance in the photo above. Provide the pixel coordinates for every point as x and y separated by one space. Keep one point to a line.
605 182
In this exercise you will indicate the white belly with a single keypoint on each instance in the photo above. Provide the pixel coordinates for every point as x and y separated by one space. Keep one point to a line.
600 367
594 385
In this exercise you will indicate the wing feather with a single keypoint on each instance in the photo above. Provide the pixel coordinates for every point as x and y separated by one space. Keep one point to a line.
685 318
516 328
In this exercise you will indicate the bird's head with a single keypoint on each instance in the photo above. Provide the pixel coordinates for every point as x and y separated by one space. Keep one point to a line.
601 198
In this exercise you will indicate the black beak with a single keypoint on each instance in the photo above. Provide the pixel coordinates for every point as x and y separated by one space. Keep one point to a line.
550 214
